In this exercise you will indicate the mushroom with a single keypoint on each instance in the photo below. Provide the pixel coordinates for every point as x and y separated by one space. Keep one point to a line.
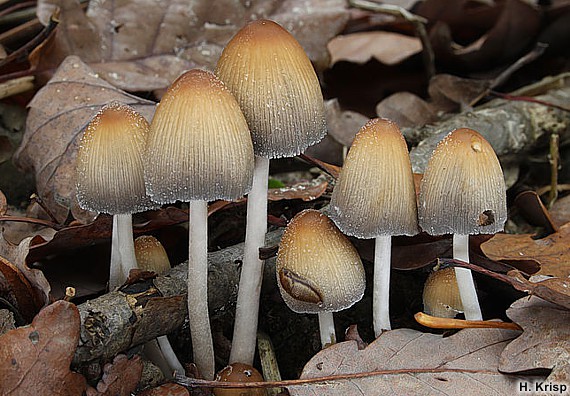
463 192
278 90
151 256
199 149
318 270
110 178
239 372
375 198
441 294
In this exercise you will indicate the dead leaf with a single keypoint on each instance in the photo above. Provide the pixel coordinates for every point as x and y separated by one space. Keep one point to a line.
342 125
305 190
551 252
406 349
175 36
58 114
560 211
545 342
554 290
452 93
387 47
120 378
533 210
407 110
34 360
17 290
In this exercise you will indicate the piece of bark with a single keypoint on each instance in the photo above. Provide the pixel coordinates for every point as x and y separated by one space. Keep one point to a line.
140 312
510 127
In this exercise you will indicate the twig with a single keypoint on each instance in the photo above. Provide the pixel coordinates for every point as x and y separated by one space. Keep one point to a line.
199 383
447 323
416 20
37 199
528 99
31 220
268 361
554 163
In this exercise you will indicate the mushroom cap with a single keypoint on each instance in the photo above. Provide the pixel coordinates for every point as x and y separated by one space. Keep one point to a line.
151 255
239 372
374 194
110 176
441 294
463 189
199 146
318 269
277 88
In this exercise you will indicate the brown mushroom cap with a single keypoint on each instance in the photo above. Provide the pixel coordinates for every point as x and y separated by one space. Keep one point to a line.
239 372
375 193
463 189
441 294
318 269
277 88
110 177
199 146
151 255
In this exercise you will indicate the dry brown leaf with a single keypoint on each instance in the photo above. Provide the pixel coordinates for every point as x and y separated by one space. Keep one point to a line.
17 290
387 47
58 114
142 45
407 110
34 360
451 93
470 349
306 190
545 342
560 211
120 378
554 290
343 125
551 252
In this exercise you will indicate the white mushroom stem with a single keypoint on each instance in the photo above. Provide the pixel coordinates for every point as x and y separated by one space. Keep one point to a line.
115 270
126 244
198 316
326 328
170 356
247 307
465 279
381 284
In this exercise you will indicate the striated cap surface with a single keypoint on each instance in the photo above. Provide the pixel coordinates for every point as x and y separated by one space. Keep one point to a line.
463 189
277 88
375 194
199 146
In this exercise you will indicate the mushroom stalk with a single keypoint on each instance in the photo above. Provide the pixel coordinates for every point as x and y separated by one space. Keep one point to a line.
116 271
169 355
126 244
464 278
326 328
198 316
247 308
381 288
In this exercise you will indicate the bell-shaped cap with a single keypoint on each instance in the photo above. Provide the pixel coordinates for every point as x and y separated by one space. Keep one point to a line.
151 255
110 176
318 269
277 88
199 146
463 189
374 194
441 294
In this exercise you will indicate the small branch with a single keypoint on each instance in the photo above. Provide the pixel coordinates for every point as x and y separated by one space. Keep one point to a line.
446 323
554 163
528 99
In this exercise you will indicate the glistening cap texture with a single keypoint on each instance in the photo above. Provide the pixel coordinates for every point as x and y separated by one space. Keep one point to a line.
151 255
375 193
463 190
110 177
441 294
318 269
199 146
275 84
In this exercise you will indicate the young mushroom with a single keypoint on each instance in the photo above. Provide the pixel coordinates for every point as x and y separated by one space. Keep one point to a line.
110 178
463 192
318 270
278 90
441 294
375 198
239 372
199 149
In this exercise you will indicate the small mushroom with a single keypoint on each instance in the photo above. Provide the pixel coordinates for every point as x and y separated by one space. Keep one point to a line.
277 88
239 372
110 178
441 294
375 198
199 149
463 192
318 270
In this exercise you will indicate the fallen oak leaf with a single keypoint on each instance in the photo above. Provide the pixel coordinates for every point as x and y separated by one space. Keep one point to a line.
34 360
551 252
120 378
17 290
305 190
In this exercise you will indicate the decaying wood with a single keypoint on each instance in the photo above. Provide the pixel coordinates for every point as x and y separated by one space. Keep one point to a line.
140 312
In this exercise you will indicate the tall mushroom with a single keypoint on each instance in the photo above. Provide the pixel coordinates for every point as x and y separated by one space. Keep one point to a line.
276 86
318 270
375 198
199 149
463 192
110 178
